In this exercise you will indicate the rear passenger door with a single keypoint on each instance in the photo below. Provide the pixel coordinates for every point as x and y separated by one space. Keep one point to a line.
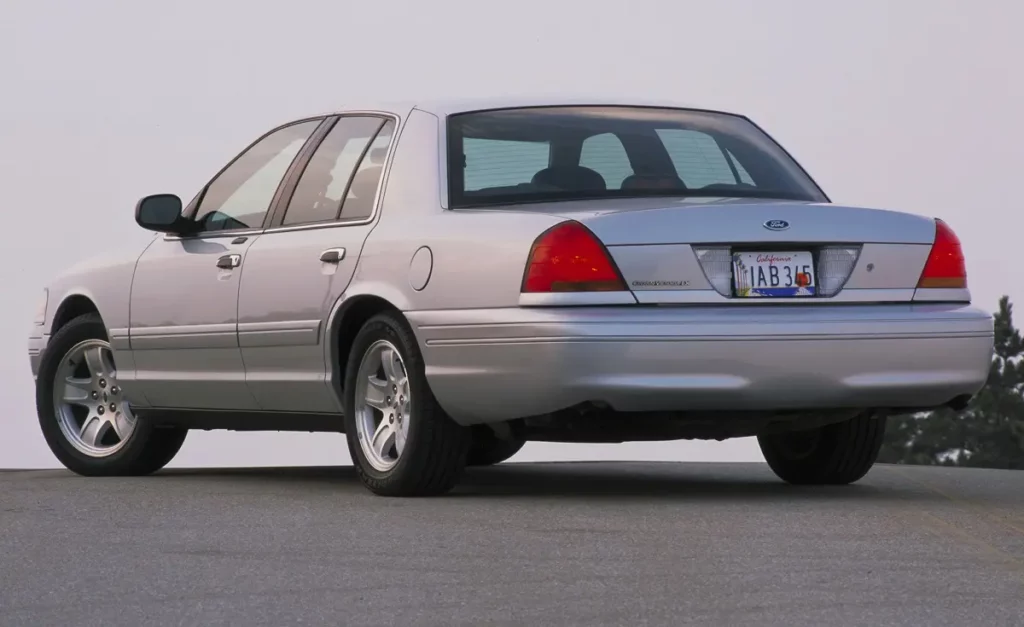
300 266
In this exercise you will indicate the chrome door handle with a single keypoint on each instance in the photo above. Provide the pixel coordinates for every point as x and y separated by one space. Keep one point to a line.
228 262
332 255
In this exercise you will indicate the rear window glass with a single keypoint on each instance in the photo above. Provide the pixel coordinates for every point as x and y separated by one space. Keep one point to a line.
509 156
498 162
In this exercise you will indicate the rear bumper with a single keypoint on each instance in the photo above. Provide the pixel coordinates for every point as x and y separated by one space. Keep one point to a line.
490 365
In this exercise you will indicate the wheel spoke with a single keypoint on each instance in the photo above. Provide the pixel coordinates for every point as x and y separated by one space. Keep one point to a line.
92 430
400 439
76 391
121 425
95 361
392 366
377 393
383 439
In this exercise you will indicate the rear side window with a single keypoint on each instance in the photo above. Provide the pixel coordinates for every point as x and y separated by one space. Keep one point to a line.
333 172
362 191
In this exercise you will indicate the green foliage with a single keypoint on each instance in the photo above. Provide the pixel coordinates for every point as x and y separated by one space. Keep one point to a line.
989 433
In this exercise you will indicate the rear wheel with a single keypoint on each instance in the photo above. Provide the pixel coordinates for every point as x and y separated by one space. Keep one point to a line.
85 419
488 449
401 441
835 454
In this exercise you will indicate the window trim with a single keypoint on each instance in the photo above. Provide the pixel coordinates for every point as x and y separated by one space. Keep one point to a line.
193 206
274 224
445 140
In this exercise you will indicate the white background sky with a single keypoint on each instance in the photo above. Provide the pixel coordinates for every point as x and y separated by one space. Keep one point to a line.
908 104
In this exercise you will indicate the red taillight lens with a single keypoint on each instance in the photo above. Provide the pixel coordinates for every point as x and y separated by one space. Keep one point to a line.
569 258
945 267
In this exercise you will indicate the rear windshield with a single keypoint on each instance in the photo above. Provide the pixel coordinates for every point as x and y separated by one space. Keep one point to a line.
509 156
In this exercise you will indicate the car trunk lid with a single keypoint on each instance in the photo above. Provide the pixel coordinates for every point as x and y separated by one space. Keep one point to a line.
703 250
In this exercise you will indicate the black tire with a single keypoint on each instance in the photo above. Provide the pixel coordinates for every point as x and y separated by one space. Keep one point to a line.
146 450
435 450
835 454
488 449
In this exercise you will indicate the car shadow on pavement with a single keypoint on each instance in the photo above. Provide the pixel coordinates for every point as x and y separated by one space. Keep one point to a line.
657 480
593 480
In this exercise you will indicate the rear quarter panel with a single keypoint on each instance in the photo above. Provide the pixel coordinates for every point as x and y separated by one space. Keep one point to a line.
472 259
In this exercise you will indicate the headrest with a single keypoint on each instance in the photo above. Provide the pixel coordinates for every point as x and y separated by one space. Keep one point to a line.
570 178
364 183
652 181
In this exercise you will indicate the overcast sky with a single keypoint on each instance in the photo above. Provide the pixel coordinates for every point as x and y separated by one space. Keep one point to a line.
912 105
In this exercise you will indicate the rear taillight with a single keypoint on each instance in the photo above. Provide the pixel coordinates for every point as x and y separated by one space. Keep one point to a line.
945 267
569 258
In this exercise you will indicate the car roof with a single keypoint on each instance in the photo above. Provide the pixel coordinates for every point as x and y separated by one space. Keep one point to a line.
445 107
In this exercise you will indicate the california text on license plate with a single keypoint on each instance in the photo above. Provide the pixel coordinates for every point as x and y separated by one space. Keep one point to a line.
773 274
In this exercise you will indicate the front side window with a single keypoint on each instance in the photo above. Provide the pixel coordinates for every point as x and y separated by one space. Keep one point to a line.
510 156
240 196
352 151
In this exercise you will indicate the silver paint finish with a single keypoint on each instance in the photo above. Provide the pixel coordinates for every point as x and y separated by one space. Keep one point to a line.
184 324
659 267
281 318
671 274
497 364
892 266
258 336
943 295
707 297
738 221
105 281
420 267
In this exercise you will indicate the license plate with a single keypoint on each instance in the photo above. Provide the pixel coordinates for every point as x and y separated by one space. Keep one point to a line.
773 274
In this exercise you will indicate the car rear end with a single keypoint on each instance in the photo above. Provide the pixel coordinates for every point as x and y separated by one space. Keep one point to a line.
714 300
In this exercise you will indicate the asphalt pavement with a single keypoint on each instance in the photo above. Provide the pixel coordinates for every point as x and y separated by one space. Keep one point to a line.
590 544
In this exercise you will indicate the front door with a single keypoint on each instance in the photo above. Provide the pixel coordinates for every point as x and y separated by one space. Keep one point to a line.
295 273
184 299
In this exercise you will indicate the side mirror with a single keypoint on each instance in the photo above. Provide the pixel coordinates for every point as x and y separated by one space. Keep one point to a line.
161 213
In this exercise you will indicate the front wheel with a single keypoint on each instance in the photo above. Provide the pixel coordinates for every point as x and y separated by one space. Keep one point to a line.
835 454
401 441
85 419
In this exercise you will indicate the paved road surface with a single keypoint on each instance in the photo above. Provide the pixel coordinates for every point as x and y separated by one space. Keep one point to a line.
520 544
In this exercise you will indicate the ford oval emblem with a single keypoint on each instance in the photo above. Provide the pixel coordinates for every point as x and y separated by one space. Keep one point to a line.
776 225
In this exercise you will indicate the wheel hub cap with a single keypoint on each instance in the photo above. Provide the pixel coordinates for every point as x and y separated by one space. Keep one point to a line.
88 402
382 404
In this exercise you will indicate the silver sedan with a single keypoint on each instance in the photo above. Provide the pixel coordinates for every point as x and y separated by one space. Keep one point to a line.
443 282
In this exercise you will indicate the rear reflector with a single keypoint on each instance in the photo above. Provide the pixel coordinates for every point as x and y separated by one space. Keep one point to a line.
716 262
569 258
835 263
945 267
